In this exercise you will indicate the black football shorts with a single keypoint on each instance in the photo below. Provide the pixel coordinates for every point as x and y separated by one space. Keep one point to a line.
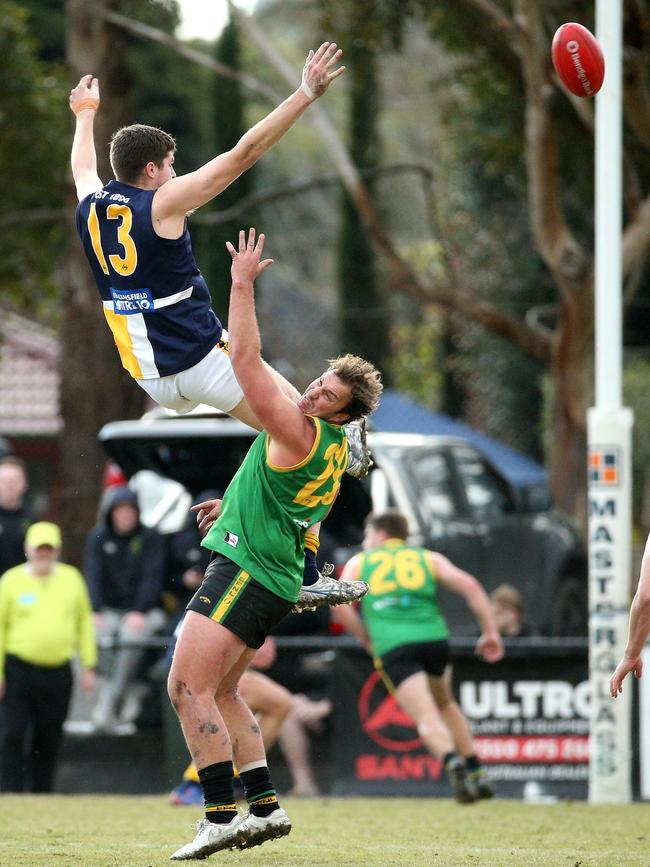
231 596
401 662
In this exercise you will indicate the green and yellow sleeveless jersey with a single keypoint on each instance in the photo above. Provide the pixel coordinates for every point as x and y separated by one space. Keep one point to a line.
401 606
267 510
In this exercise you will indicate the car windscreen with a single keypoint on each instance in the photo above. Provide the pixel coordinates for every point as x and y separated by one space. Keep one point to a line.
198 463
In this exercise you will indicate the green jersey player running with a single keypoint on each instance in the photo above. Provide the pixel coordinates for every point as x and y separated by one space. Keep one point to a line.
405 631
287 482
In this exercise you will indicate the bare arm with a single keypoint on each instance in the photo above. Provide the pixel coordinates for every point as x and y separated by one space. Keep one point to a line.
291 433
84 102
347 617
489 645
351 569
180 195
638 630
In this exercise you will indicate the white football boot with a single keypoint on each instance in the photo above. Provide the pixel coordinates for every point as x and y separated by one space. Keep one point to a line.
255 830
210 838
359 453
328 591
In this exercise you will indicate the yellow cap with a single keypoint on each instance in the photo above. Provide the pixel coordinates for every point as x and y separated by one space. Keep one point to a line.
43 533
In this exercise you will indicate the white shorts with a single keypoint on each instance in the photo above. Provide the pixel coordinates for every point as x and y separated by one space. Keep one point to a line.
211 381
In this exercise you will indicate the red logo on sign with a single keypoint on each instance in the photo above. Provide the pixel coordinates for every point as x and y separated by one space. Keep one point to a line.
383 720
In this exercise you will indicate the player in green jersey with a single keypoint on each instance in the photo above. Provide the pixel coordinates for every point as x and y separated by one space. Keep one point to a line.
287 482
405 631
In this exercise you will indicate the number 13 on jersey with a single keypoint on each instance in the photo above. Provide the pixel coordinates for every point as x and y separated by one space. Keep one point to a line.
123 265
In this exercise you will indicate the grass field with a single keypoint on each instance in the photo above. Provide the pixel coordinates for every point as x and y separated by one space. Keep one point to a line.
104 831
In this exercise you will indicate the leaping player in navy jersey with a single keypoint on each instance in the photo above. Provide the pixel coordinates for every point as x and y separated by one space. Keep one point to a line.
155 300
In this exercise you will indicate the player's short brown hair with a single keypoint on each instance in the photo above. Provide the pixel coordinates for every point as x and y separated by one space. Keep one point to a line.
364 380
132 147
391 521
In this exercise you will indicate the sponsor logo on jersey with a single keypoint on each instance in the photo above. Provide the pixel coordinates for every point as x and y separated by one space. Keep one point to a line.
206 599
128 301
303 524
231 539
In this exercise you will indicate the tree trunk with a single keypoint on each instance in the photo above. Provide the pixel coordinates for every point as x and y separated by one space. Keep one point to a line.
94 388
571 371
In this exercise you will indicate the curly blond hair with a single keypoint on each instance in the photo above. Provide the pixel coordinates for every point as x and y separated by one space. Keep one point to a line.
364 380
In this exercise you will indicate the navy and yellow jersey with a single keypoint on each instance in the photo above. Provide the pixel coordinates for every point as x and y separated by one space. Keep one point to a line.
155 300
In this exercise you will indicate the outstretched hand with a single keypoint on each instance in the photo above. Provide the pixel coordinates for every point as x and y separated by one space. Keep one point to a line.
85 95
246 264
316 77
625 666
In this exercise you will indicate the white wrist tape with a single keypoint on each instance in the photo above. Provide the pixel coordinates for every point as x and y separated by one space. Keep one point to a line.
306 89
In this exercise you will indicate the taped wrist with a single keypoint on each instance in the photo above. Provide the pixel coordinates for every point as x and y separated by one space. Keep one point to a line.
306 89
88 102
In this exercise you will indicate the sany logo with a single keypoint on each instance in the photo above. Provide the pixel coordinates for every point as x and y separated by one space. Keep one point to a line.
383 720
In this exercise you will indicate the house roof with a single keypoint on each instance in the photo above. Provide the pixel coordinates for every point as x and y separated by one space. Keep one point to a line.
399 413
29 377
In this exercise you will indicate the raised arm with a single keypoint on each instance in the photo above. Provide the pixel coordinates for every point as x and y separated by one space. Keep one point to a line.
84 102
489 644
291 433
638 629
345 615
182 194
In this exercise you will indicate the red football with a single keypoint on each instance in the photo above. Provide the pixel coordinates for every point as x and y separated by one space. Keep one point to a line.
578 59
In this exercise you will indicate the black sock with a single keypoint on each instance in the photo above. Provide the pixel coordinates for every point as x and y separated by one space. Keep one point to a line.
310 571
260 791
449 757
218 795
472 763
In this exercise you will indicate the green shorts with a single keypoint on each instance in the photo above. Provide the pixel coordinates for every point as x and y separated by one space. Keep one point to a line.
232 597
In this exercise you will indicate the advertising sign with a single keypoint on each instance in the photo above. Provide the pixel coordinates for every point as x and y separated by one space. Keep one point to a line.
529 715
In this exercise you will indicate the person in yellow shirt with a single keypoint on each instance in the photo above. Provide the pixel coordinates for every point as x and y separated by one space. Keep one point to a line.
45 619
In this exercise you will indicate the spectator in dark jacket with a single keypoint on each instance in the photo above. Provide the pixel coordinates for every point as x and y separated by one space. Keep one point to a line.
186 564
15 517
124 567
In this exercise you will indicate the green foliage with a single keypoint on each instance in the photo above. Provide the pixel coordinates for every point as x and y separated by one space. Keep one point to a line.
168 91
46 21
364 318
415 353
33 158
228 107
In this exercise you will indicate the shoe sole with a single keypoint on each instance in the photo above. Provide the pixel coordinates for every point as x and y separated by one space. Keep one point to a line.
206 851
256 838
301 607
325 602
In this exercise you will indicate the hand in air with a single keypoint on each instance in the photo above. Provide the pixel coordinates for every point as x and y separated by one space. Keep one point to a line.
625 666
246 265
316 75
85 95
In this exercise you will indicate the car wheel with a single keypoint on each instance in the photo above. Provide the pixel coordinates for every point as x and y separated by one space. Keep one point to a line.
571 615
